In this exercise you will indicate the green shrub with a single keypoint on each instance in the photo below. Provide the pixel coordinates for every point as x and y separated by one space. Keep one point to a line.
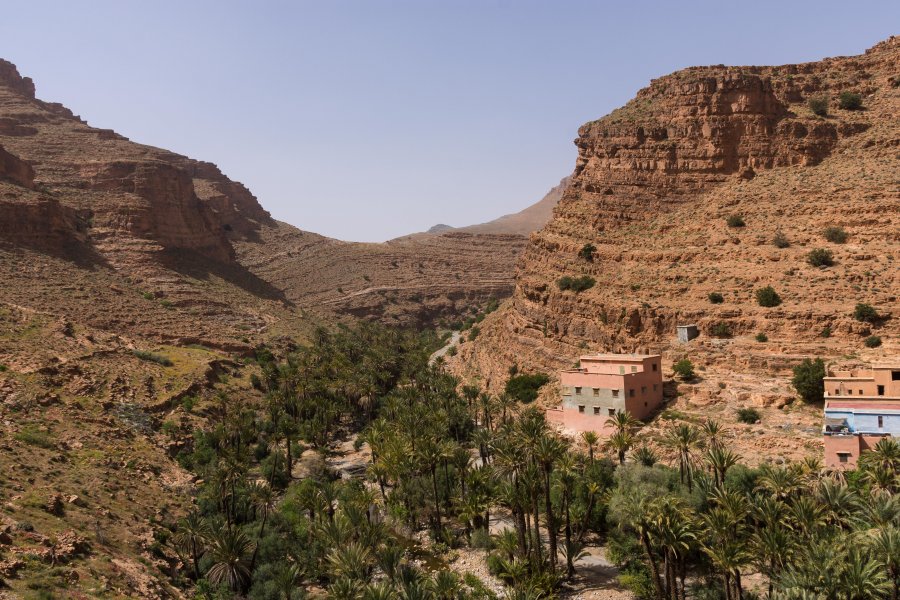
835 235
819 105
481 539
524 388
808 380
684 369
762 337
735 221
576 284
721 330
587 252
151 357
748 415
826 332
256 382
780 240
820 257
850 101
35 437
873 341
865 312
149 296
451 351
474 333
768 297
716 298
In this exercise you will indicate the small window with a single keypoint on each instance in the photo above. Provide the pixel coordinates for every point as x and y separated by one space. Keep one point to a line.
581 408
631 392
615 393
860 392
611 412
880 421
895 375
634 369
655 387
596 392
849 392
881 390
645 404
843 456
837 392
643 389
596 410
654 366
577 391
621 370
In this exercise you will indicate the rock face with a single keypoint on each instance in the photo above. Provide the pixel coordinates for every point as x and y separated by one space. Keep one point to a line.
654 184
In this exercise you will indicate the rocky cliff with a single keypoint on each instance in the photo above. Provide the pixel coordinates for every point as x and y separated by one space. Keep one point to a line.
653 188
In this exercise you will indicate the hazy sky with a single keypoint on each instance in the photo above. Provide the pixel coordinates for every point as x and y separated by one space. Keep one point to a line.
368 120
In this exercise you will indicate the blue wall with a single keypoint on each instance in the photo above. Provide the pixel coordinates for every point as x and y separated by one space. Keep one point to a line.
867 422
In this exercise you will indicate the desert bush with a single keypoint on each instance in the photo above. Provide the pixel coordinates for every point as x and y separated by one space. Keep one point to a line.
873 341
684 369
819 105
587 252
866 313
151 357
481 539
576 284
767 297
721 330
826 332
835 234
716 298
762 337
474 333
820 257
780 240
808 380
34 437
735 221
748 415
850 101
524 388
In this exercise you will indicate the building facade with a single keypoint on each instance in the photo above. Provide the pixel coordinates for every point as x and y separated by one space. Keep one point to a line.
605 384
861 407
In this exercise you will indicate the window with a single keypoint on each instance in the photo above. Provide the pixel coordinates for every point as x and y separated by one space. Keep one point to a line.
596 410
643 389
621 370
654 366
577 391
645 405
881 390
615 393
860 392
849 392
631 392
596 392
634 369
895 375
880 421
837 392
843 456
581 408
611 412
654 387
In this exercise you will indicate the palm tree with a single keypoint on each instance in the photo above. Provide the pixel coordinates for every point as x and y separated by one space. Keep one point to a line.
547 451
646 456
721 459
263 498
620 442
863 577
429 455
885 546
229 548
590 438
684 439
444 585
190 539
351 561
713 432
287 581
622 421
773 548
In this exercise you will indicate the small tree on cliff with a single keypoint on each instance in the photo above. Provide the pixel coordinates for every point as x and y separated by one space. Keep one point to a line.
587 252
809 380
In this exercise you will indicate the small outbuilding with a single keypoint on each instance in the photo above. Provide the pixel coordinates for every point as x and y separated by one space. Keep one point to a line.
687 332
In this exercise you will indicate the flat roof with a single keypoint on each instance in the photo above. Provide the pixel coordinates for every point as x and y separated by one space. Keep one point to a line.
628 357
890 405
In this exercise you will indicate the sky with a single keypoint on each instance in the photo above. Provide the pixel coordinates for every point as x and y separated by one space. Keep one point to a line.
367 120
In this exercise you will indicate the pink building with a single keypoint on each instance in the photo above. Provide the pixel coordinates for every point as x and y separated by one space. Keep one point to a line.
605 384
861 407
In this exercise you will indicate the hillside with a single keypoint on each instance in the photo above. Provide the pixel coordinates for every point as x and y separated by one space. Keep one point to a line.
653 188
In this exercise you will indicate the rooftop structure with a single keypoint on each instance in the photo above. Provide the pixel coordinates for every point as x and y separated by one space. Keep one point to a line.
861 407
604 384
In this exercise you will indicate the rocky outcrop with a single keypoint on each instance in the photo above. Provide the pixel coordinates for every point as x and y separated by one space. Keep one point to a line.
15 170
653 186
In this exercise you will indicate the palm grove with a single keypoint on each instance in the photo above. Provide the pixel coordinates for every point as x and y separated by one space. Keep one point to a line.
447 460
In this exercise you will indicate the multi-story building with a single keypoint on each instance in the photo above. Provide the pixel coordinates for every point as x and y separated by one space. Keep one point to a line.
605 384
861 407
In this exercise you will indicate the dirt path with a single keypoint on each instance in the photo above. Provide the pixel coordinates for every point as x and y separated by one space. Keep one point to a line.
454 339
